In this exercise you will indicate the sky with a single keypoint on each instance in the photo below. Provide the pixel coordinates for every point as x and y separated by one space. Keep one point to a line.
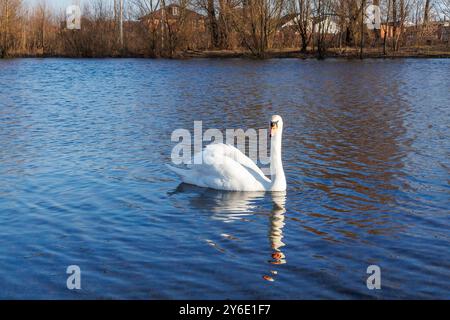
56 4
59 6
62 4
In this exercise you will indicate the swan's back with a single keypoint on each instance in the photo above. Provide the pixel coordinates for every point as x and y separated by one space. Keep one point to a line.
224 167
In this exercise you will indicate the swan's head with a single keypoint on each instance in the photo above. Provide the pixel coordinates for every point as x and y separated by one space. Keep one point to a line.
276 126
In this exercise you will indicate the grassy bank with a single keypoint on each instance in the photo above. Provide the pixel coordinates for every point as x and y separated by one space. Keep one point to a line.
349 53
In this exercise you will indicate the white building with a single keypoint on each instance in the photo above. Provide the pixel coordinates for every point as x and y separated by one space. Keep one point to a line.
328 23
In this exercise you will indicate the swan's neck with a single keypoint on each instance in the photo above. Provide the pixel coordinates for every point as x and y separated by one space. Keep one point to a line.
276 166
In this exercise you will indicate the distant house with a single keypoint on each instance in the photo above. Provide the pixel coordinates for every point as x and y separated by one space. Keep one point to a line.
431 32
328 24
444 31
288 20
288 34
390 29
178 26
175 16
436 31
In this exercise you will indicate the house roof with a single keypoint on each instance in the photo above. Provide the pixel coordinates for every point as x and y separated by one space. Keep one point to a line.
292 19
287 18
157 14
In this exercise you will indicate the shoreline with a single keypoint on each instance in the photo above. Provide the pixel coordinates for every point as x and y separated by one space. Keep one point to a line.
296 54
349 54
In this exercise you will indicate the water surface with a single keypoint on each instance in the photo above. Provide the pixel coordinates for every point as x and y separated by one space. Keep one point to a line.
83 147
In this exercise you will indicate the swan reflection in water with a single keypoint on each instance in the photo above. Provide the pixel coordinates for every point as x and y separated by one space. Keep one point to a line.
234 206
276 227
226 206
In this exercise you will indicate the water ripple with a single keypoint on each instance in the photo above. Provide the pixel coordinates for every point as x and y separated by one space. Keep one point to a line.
83 145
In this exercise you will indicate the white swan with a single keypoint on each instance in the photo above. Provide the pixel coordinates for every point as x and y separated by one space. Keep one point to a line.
224 167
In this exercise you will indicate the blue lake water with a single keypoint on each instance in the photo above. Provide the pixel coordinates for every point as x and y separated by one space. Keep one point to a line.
83 148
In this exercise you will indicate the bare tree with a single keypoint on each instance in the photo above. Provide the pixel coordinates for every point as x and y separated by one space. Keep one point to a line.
248 25
151 34
43 35
386 30
361 43
174 32
257 22
9 25
226 22
302 12
400 13
349 14
321 25
426 11
445 8
209 6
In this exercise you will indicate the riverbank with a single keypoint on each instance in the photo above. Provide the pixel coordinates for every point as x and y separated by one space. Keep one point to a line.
347 53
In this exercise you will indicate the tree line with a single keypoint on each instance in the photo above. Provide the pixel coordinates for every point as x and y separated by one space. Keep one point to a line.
252 26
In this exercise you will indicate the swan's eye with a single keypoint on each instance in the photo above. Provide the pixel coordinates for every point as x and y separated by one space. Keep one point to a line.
273 124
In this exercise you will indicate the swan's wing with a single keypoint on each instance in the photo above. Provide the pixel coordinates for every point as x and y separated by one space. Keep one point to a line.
223 167
215 167
224 173
222 151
